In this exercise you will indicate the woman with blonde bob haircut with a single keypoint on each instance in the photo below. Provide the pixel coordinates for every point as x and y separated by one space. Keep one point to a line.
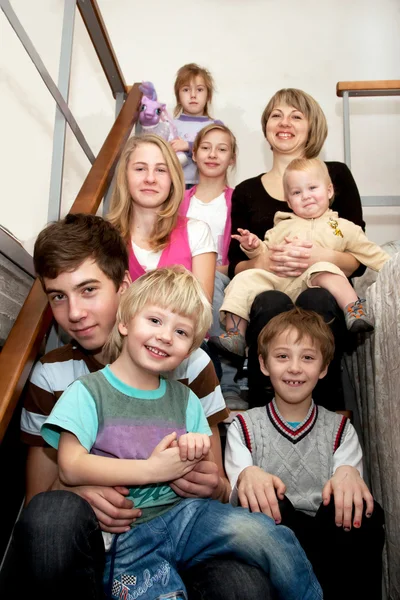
295 127
305 104
145 204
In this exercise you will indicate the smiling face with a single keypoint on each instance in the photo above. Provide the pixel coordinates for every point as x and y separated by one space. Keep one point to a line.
214 154
287 130
307 192
157 339
294 367
193 97
85 302
148 177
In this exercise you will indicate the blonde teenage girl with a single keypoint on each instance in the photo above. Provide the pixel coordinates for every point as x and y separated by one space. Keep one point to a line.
194 88
144 207
214 152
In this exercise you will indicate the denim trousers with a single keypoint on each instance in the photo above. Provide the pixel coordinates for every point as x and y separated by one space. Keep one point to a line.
58 544
144 562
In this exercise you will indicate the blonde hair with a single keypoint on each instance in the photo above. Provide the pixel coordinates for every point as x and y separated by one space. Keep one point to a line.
122 205
307 164
318 127
203 132
306 323
185 76
173 288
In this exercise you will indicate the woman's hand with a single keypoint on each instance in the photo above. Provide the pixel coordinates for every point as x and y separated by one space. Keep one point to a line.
290 259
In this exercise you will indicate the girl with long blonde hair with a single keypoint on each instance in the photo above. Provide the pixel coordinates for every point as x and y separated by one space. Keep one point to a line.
145 204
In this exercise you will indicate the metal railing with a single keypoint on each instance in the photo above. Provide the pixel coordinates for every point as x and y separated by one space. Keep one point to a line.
33 322
347 89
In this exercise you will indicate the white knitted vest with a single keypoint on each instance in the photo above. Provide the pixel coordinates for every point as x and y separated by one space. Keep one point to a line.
301 456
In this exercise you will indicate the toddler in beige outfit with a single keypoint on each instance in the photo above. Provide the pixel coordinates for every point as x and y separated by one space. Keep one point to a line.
308 191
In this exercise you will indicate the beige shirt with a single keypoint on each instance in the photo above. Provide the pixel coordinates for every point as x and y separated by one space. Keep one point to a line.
328 231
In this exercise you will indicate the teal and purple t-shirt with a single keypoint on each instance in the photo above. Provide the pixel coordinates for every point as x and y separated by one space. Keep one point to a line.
112 419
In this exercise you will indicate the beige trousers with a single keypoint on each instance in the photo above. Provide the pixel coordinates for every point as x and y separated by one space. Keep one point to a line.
244 287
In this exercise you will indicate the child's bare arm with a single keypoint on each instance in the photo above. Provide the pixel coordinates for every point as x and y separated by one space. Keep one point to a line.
78 467
193 445
349 490
259 491
248 241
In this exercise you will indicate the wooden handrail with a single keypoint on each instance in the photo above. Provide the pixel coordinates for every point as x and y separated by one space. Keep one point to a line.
24 339
94 187
91 16
382 87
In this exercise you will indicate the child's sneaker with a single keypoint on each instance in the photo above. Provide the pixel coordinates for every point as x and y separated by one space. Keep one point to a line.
231 342
356 318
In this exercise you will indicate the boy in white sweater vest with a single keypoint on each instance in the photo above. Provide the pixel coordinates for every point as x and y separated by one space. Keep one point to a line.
293 447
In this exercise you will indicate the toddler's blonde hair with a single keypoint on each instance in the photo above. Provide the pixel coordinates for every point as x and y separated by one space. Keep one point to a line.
307 164
173 288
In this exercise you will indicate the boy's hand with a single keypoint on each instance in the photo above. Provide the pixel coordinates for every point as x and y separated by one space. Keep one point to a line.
201 482
193 445
114 512
348 489
165 461
180 145
258 491
248 240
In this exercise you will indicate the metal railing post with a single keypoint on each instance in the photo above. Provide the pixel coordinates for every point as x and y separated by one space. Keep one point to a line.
64 72
45 75
346 129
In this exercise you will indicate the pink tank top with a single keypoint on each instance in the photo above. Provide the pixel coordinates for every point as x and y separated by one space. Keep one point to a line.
176 253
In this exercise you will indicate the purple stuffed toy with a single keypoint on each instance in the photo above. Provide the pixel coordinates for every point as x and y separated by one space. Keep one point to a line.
154 118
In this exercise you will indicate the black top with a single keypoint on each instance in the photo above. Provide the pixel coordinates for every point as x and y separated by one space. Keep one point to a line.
254 209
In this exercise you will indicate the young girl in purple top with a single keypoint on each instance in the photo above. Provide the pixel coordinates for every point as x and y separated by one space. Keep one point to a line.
194 88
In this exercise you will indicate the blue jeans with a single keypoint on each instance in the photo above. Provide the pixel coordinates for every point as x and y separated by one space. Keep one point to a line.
58 542
144 562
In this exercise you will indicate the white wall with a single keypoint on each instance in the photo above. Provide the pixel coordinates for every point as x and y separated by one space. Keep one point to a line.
252 47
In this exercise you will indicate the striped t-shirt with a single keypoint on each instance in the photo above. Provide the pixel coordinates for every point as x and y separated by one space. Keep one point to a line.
59 368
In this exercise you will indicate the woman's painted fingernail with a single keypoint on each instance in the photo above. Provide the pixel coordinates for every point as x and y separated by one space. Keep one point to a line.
368 515
277 521
357 524
346 528
338 524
